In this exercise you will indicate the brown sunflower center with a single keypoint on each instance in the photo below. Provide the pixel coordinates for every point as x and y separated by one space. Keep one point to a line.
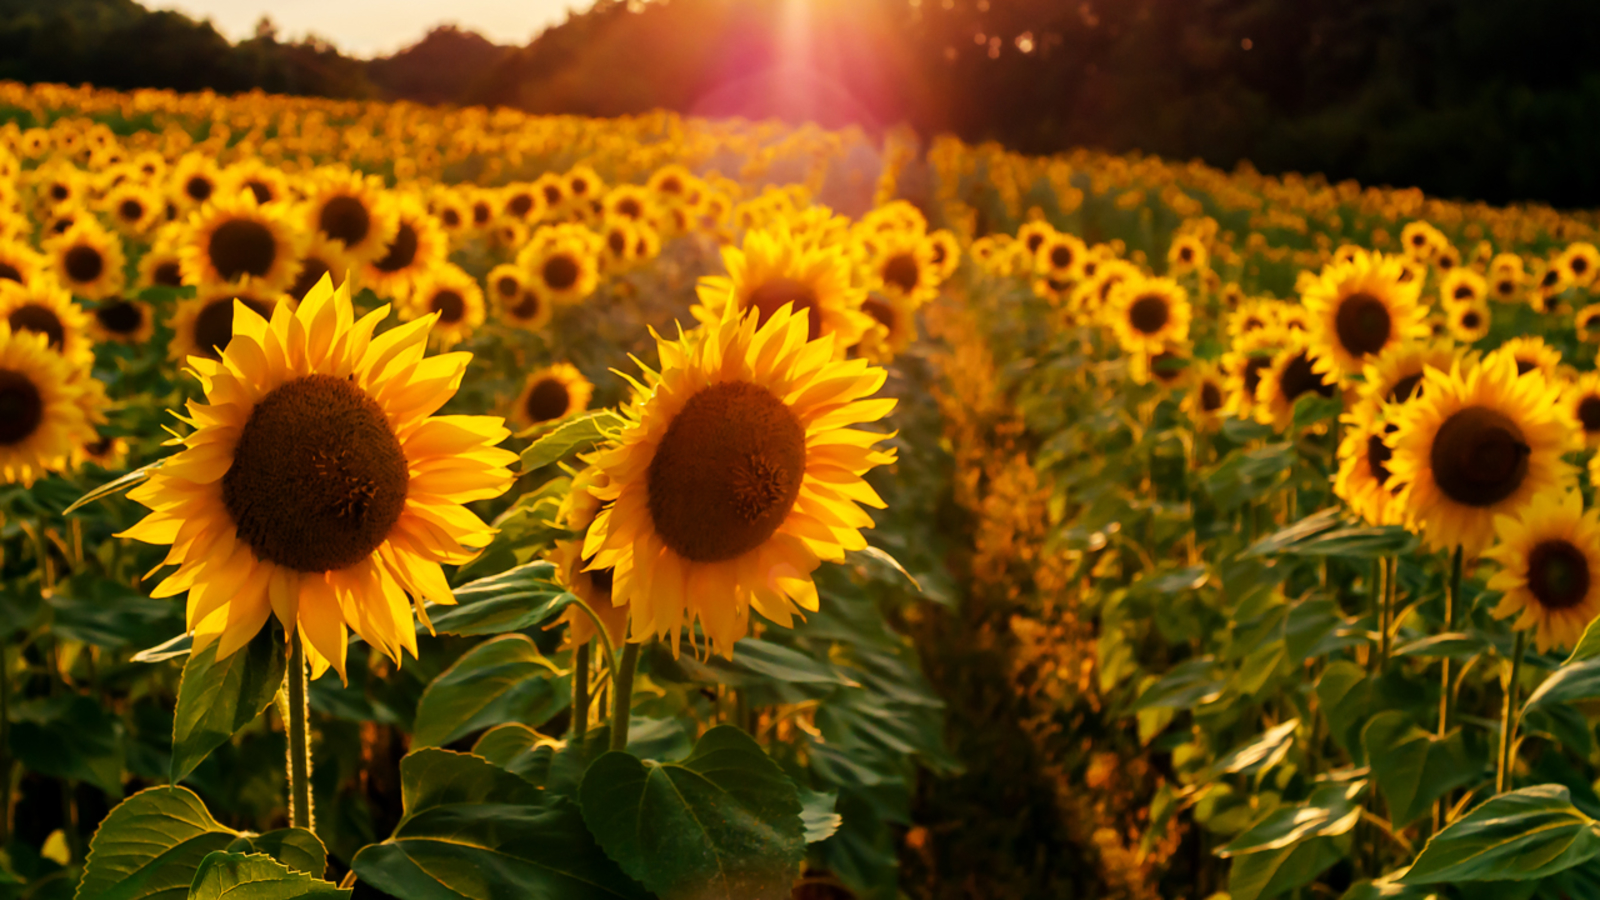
1252 373
119 316
130 210
1186 254
548 400
1558 574
507 287
1210 397
1149 313
8 272
39 320
939 254
1579 265
1505 287
346 219
727 472
618 242
772 295
1464 292
318 478
1524 366
480 213
1406 388
880 310
311 271
241 247
450 217
521 204
1479 457
213 328
1378 456
402 252
21 407
198 187
552 195
167 275
560 272
527 308
901 271
1363 324
450 306
1298 378
630 207
1034 240
1061 256
84 263
1589 413
259 190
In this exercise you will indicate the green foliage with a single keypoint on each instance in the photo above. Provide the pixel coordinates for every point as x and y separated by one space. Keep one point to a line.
504 679
151 845
1517 836
240 876
215 699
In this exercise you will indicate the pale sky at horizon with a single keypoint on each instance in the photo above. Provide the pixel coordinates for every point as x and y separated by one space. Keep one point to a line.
378 27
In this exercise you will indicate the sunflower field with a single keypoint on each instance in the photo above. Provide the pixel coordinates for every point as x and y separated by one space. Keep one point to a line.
458 503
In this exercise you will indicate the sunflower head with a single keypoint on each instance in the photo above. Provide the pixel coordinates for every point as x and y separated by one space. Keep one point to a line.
1290 376
1358 309
87 259
47 406
234 241
1582 400
551 394
1468 323
48 310
1147 314
122 320
317 485
773 271
453 297
1187 254
1549 557
1532 354
1364 481
562 263
1206 399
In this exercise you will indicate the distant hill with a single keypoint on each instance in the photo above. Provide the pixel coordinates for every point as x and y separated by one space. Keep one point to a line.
443 67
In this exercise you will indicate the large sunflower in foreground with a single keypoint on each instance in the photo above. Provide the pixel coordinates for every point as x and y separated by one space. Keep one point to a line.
737 474
318 486
1549 574
771 271
1395 375
1358 309
1479 441
45 411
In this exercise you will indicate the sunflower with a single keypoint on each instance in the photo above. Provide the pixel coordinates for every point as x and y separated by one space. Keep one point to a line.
351 209
264 183
1032 236
671 182
1587 322
1207 396
1291 375
1251 315
109 453
1580 260
237 242
48 310
562 264
894 328
1358 309
1469 323
453 213
1147 314
1505 285
1549 576
619 241
1061 257
204 325
945 253
1532 353
1363 480
1581 397
735 477
161 266
583 185
134 208
903 266
1395 375
87 260
520 201
555 193
1462 287
1250 357
419 244
772 271
1549 282
453 296
551 394
1421 240
122 320
1187 253
629 201
320 256
193 180
515 301
1479 441
317 486
594 587
46 407
18 263
1168 368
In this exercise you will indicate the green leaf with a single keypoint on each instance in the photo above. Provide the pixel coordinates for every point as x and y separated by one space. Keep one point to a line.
517 599
1306 527
216 699
1330 532
1588 645
1414 767
757 662
505 679
114 486
724 824
1332 810
70 736
520 750
1267 750
1387 890
1245 475
875 558
570 435
1311 408
256 876
296 848
150 847
1573 681
172 648
109 614
1259 876
469 824
817 812
1451 644
1190 683
1529 833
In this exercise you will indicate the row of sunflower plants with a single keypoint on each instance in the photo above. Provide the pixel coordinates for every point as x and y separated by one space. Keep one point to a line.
1326 499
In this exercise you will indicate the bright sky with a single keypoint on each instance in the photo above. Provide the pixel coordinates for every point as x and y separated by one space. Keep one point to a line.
377 27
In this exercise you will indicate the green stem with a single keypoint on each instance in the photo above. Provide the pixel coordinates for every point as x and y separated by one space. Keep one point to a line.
5 744
1452 617
1391 591
1508 718
300 813
580 692
622 695
1378 588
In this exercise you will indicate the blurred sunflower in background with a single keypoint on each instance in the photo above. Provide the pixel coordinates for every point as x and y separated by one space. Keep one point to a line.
1549 578
47 310
122 320
419 244
1147 314
45 407
236 241
87 260
453 296
1363 480
352 210
203 326
1469 323
561 264
1358 309
318 486
1582 400
1291 375
771 271
550 394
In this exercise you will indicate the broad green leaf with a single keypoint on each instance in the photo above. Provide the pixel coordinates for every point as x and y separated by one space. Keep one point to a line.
1267 750
570 435
1174 581
256 876
1588 645
296 848
873 557
1573 681
1272 873
109 614
1387 890
70 736
469 825
115 486
1190 683
1330 532
1305 527
1332 810
1523 834
520 750
150 847
514 600
1257 669
1451 644
505 679
1414 767
1245 475
756 661
217 698
724 824
1311 408
817 812
1350 699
